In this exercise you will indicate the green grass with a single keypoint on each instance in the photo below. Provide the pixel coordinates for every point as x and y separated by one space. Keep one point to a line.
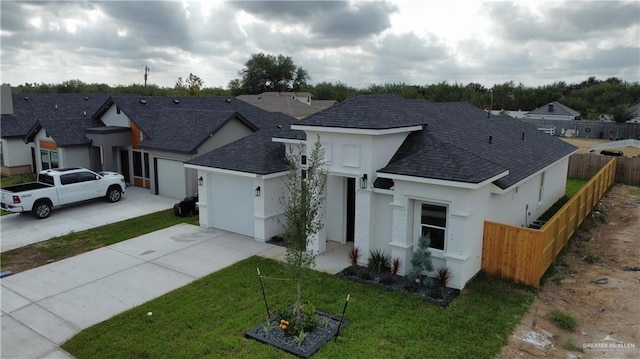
208 319
573 186
563 320
74 243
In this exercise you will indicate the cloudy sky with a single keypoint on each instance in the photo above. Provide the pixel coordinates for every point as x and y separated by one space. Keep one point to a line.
357 43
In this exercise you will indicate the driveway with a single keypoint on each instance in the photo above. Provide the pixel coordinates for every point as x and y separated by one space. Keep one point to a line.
44 307
18 230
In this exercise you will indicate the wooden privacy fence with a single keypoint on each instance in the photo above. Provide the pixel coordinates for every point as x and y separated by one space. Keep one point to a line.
585 165
524 254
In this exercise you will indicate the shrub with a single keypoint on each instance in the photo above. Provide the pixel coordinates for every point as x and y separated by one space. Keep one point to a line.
563 320
378 261
354 256
395 268
443 276
293 321
421 261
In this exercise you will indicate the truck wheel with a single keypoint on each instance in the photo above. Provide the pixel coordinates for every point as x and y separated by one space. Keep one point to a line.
41 209
114 194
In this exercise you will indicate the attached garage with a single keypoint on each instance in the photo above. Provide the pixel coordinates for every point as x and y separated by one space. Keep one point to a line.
171 178
231 203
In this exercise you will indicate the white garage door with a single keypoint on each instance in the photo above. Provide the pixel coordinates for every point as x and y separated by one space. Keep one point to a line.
171 178
231 203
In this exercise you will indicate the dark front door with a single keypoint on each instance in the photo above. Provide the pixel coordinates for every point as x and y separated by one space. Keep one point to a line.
124 165
351 208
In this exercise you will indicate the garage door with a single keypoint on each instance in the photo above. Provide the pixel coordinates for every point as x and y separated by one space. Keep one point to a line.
231 203
171 178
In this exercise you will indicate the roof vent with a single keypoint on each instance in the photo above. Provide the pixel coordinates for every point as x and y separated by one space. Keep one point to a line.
26 98
523 136
176 101
490 139
228 100
550 107
144 102
86 98
56 106
84 113
279 126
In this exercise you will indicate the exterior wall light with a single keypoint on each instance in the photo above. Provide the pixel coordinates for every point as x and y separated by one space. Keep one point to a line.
200 181
258 191
363 181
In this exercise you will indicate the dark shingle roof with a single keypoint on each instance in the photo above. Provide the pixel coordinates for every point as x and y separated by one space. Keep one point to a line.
29 108
183 123
454 145
375 112
66 131
255 153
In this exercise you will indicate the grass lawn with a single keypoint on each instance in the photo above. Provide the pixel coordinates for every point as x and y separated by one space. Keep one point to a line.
57 248
208 319
573 186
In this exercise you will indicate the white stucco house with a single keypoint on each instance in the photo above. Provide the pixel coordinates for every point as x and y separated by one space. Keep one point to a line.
398 169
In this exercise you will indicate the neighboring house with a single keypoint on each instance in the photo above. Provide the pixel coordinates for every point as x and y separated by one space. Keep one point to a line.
164 132
514 114
553 111
634 110
21 154
294 104
398 169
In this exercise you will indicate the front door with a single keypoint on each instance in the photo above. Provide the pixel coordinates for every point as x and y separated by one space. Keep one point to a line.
124 165
351 208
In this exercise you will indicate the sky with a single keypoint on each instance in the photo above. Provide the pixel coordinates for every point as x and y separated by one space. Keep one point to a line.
356 43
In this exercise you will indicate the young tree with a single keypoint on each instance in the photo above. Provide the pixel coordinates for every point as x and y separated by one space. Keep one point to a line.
192 86
305 185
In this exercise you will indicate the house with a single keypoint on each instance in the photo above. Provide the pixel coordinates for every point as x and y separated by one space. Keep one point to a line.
634 110
294 104
23 155
553 111
398 169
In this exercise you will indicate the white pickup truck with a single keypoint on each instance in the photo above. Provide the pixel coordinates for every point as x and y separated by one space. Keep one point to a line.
59 187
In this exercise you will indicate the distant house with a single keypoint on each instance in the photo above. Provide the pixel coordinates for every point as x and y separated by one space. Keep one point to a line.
553 111
514 114
634 110
22 153
398 169
294 104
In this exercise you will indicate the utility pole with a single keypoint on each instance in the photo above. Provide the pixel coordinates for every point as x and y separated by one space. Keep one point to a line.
146 73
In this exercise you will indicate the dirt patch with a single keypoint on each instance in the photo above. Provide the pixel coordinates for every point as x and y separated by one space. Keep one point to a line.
595 283
585 144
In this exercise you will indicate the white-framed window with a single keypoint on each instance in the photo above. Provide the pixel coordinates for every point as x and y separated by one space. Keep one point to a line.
431 219
49 159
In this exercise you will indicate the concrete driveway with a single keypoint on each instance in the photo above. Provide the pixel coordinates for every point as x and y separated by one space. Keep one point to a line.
18 230
44 307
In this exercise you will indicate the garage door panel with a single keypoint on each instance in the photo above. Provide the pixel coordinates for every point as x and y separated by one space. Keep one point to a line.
231 203
171 178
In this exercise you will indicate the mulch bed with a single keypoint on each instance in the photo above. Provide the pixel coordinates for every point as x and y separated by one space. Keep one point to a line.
401 284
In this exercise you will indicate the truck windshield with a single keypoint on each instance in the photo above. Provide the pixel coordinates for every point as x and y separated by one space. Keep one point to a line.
45 179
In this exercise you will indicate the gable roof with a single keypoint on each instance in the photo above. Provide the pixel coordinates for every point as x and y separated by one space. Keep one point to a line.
256 154
375 112
65 131
634 110
29 108
555 108
286 102
183 123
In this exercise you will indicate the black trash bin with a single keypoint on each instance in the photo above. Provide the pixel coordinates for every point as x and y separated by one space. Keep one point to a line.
186 207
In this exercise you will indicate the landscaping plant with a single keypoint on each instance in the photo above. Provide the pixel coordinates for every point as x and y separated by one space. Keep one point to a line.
421 262
443 277
395 268
378 261
354 256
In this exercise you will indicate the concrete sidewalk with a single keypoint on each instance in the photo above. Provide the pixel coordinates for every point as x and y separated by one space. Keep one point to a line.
44 307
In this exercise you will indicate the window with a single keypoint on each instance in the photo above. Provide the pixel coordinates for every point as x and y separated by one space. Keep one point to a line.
68 179
86 176
140 168
49 159
117 110
433 221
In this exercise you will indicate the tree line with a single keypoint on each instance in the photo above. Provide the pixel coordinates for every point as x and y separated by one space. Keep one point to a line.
592 97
